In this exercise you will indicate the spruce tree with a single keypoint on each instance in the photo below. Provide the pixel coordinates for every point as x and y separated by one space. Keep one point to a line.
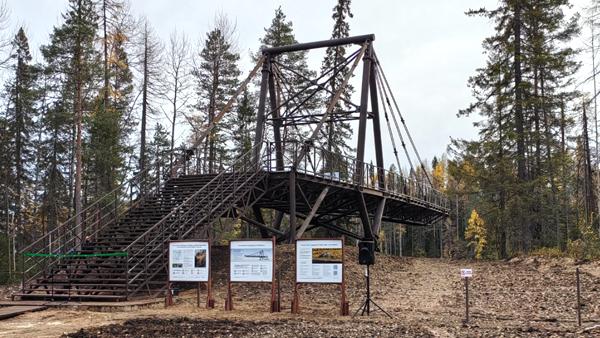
244 124
21 114
339 131
295 73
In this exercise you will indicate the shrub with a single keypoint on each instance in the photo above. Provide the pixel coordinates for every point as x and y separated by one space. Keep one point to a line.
548 252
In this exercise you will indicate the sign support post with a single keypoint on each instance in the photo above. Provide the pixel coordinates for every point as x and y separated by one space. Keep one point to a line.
466 274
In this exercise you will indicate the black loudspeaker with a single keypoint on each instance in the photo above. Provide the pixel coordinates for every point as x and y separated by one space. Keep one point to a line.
366 252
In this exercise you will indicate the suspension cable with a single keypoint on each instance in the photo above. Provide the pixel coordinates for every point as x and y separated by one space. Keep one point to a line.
402 118
389 127
387 100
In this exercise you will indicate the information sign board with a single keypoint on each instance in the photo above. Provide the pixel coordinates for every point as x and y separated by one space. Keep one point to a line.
319 261
189 261
251 261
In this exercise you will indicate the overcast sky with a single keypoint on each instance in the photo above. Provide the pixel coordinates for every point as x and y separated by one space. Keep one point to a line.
428 48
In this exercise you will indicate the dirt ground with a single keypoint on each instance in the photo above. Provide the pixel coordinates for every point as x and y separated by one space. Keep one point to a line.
524 297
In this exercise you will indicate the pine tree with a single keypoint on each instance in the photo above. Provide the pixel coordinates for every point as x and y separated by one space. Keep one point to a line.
73 67
339 131
217 79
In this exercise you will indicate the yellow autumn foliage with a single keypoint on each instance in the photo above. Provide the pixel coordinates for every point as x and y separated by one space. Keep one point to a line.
475 233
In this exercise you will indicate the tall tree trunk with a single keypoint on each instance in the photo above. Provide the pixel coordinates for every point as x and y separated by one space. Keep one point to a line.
176 90
144 108
519 121
589 186
105 47
19 124
78 126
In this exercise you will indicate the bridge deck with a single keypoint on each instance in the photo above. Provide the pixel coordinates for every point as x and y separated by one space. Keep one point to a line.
405 205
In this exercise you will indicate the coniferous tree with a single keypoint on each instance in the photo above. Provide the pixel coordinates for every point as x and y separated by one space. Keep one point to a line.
73 67
338 130
159 150
110 124
21 95
295 73
521 93
217 79
243 124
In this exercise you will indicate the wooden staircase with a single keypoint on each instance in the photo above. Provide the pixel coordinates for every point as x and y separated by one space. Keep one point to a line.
126 258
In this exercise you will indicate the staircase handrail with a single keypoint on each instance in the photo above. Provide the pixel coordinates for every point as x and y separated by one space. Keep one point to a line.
86 209
193 196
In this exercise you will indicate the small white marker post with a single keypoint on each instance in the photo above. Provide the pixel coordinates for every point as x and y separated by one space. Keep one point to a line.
466 274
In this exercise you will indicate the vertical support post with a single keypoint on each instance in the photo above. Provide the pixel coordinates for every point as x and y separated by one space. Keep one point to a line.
578 297
169 299
295 300
292 188
260 115
360 148
127 275
345 307
274 298
276 119
378 216
362 125
210 302
466 300
376 126
198 294
229 299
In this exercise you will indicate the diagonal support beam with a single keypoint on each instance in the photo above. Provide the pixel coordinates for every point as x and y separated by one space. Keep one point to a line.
200 138
262 226
312 213
259 219
332 103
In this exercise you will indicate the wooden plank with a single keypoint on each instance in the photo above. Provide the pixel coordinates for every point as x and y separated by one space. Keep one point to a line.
12 311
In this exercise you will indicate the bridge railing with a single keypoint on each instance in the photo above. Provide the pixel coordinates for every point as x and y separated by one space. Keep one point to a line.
336 167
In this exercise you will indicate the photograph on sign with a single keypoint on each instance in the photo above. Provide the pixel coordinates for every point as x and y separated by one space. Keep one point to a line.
251 261
319 261
189 261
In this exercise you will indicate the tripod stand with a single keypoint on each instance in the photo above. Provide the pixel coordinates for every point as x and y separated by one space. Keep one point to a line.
366 305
